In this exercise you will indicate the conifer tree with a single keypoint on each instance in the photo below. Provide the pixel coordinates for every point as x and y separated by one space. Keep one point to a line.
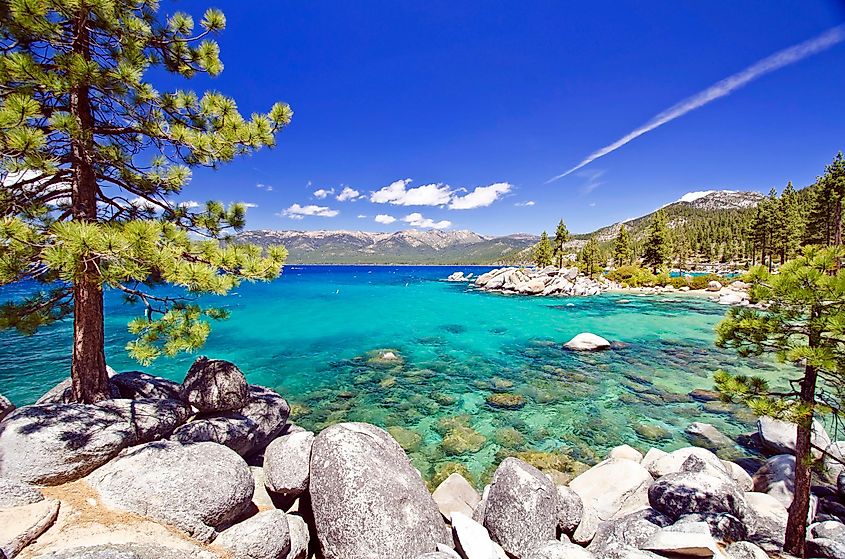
792 223
561 238
93 156
622 247
802 326
656 251
543 253
824 222
590 257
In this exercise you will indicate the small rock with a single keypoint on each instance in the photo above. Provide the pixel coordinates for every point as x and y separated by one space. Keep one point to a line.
714 285
586 341
745 550
626 452
707 436
830 529
6 407
587 528
455 494
287 464
571 509
214 385
300 537
263 536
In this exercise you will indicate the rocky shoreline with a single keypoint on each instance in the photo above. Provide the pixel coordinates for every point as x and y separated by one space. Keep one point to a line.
212 468
568 282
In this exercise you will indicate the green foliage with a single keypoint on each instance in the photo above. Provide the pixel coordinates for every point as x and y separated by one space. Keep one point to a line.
94 154
560 239
824 222
589 258
657 247
632 276
622 253
543 253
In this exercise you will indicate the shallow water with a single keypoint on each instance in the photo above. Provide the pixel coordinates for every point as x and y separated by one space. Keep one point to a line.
316 335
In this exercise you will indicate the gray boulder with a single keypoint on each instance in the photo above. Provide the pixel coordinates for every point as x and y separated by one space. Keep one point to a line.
522 510
263 536
125 551
765 521
777 478
834 461
16 494
214 385
455 494
51 444
722 526
232 430
300 537
840 484
745 550
559 550
367 498
824 548
673 462
830 529
571 509
20 526
287 464
62 393
6 407
707 436
778 437
471 538
630 531
613 485
135 385
696 492
269 411
739 475
197 487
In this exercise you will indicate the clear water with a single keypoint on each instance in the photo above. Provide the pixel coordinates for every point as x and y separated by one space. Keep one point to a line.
312 336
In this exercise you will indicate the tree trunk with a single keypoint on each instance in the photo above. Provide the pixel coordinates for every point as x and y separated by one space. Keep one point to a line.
796 526
88 367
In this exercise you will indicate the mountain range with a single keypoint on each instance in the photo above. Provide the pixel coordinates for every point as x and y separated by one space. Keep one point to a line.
416 246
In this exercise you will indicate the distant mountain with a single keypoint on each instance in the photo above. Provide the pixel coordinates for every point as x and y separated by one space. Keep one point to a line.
402 247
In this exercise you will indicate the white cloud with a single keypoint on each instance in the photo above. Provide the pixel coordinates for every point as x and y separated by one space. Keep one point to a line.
143 203
722 88
525 204
416 219
480 197
263 186
189 204
427 195
323 193
296 211
348 194
385 219
362 216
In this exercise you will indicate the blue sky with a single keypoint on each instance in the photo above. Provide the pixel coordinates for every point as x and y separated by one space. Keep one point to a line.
504 96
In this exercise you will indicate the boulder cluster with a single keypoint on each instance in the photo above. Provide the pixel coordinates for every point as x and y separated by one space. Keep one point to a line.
212 468
550 280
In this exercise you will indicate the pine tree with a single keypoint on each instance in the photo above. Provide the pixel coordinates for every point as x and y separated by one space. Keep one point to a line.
792 223
622 247
824 222
657 249
590 257
543 253
561 238
93 155
802 326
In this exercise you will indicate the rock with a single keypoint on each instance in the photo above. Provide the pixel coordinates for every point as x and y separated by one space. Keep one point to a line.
522 507
21 525
834 461
270 413
669 542
300 537
723 527
559 550
438 555
587 342
17 494
125 551
367 498
745 550
830 529
260 497
674 462
471 538
263 536
739 475
135 384
690 492
287 464
214 385
714 285
628 531
62 393
197 487
733 298
702 395
455 494
765 520
6 407
707 436
652 456
840 484
611 485
587 528
824 548
777 478
51 444
571 509
232 430
626 452
778 436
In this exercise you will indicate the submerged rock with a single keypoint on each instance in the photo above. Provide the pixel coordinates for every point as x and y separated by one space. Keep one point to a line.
462 440
508 401
586 341
367 499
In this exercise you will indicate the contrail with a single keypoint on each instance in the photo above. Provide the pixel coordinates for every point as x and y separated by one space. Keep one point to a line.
727 86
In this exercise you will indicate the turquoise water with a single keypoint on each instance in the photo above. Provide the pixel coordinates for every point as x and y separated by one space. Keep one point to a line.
316 334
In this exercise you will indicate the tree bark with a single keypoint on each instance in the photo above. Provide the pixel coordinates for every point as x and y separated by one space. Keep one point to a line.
796 526
88 367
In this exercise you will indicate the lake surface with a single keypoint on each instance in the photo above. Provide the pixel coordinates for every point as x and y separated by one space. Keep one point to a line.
316 335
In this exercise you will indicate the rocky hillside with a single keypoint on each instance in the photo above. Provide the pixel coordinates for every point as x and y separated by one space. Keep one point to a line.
402 247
